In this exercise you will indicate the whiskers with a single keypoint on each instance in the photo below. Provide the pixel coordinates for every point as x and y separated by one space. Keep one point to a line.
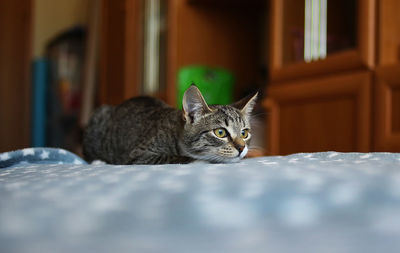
227 152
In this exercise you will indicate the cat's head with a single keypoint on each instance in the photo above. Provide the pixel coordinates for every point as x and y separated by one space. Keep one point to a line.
216 133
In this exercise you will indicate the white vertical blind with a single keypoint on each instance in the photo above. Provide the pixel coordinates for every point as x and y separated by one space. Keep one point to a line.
315 22
151 46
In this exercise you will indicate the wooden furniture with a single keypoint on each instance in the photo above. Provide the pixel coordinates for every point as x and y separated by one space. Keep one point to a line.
15 58
349 101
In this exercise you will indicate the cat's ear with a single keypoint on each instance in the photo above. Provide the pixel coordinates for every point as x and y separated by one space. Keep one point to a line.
194 105
246 105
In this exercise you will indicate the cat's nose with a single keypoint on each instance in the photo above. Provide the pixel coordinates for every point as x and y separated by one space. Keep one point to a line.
239 145
240 149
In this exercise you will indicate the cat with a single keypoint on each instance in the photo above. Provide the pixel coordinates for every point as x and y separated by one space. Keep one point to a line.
145 130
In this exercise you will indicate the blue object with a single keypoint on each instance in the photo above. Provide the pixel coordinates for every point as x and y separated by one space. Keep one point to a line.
29 156
40 70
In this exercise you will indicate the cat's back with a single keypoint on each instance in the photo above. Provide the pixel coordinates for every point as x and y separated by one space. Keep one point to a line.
140 112
138 104
143 101
115 130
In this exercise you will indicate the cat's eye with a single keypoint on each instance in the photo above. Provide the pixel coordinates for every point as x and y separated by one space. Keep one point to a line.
244 133
220 132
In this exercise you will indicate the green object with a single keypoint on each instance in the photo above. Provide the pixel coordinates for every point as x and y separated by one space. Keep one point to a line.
216 84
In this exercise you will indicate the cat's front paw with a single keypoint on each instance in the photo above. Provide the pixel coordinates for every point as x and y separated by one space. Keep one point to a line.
199 162
98 162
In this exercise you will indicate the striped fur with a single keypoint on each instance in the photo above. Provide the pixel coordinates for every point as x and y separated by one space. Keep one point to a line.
145 130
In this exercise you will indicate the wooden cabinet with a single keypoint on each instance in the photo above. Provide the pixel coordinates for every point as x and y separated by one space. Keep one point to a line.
320 114
347 101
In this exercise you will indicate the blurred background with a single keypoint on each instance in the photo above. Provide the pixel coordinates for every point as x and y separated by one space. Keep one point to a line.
328 71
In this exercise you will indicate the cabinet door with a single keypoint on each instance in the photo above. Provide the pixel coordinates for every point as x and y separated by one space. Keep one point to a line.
314 37
330 113
387 123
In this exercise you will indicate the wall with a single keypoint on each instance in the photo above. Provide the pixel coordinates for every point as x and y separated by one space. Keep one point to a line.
52 17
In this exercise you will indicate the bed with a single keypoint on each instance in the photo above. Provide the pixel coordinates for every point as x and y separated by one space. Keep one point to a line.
52 201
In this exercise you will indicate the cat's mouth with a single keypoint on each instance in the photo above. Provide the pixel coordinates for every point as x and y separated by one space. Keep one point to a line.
232 159
224 155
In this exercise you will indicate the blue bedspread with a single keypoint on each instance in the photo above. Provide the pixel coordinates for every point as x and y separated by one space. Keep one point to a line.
38 156
314 202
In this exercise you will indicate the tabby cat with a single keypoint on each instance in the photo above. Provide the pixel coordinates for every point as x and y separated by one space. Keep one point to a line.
145 130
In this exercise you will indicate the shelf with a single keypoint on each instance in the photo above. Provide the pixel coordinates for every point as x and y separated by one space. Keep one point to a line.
337 62
202 34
